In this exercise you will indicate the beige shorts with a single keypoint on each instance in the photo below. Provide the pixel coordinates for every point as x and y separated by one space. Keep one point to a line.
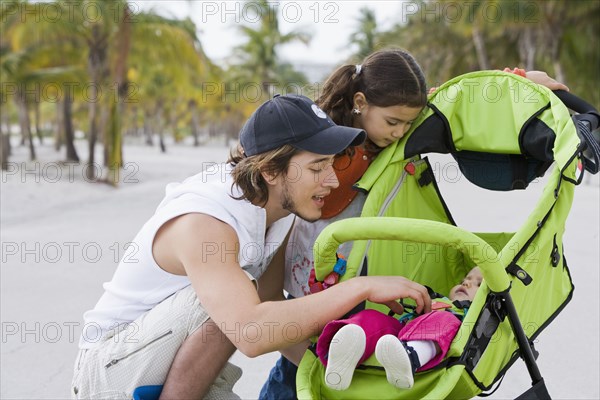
142 353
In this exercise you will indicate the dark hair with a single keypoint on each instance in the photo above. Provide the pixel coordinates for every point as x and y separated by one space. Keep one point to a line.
387 78
247 171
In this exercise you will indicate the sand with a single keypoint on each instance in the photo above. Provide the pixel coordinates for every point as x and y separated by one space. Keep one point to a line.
62 237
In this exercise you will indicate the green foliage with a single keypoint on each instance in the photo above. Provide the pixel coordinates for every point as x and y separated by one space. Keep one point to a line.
450 38
169 78
257 60
365 37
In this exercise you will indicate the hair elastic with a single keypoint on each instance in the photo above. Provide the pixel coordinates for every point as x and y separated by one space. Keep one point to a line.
357 69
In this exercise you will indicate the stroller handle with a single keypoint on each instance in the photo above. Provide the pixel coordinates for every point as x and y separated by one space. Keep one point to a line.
587 121
411 230
575 103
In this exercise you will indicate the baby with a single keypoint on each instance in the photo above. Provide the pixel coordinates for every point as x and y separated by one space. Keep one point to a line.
401 348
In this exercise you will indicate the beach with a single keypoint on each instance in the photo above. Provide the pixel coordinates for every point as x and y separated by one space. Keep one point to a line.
62 237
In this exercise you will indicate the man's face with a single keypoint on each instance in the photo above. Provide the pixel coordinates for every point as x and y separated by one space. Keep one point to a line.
309 179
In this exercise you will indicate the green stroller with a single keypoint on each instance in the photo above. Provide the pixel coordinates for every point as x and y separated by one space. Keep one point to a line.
503 132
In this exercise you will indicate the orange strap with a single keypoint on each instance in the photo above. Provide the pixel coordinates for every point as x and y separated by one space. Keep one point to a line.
349 170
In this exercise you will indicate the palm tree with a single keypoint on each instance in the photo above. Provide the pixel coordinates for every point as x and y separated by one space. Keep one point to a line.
169 67
35 54
14 76
255 64
258 57
366 36
8 19
116 46
113 144
448 52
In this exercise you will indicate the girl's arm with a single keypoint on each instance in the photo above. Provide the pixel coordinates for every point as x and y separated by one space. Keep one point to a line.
542 78
539 77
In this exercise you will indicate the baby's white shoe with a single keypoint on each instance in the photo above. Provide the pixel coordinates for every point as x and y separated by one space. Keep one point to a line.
345 350
393 356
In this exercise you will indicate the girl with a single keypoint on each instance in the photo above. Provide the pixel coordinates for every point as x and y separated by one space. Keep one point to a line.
383 96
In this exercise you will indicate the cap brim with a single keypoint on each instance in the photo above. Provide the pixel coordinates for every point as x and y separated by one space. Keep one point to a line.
332 140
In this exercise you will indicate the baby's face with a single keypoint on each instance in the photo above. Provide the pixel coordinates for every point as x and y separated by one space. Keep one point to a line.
468 287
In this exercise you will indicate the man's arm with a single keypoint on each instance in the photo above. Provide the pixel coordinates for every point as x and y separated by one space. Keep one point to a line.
270 284
270 288
205 352
232 301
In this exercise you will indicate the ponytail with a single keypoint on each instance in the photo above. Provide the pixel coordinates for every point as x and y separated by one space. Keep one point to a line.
386 78
338 93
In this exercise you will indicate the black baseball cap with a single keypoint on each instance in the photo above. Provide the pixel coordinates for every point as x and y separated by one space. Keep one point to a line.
296 120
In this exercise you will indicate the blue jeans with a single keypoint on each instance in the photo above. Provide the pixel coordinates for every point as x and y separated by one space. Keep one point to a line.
281 384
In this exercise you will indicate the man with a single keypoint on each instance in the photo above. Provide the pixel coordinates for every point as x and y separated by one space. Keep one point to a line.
163 320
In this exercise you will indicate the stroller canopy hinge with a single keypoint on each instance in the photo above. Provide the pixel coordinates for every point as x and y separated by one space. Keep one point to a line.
519 273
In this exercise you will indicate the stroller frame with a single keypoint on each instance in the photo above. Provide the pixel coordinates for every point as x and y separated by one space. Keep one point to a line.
408 208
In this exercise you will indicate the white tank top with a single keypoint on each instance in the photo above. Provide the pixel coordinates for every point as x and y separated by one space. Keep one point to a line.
139 283
299 259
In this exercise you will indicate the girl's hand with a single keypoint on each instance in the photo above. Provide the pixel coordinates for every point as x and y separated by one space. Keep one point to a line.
542 78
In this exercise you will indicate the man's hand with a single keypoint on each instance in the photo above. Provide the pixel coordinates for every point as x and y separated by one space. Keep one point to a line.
387 289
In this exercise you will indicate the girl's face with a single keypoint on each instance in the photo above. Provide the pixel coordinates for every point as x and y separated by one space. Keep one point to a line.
385 125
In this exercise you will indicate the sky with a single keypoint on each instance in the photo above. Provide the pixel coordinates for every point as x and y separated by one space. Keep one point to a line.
330 22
